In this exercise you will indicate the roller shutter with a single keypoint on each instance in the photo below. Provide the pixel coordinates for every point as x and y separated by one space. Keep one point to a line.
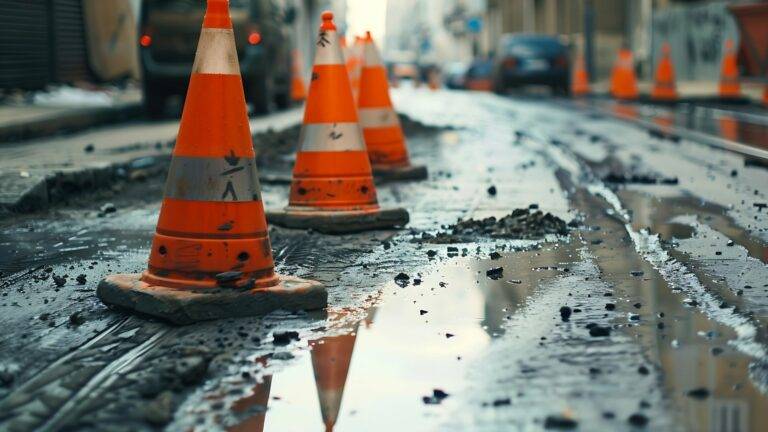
24 44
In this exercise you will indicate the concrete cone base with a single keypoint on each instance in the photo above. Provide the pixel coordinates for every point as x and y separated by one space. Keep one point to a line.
410 172
186 306
338 222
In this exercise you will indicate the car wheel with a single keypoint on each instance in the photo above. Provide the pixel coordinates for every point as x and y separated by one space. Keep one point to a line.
154 101
260 94
283 100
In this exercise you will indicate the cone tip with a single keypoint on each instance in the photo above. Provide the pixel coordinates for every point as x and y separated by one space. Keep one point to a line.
368 36
327 23
665 48
327 16
217 14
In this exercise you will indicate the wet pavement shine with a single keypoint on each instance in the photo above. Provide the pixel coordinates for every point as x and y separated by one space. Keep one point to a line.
650 314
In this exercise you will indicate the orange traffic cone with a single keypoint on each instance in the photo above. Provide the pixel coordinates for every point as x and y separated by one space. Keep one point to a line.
331 358
381 125
354 63
332 188
623 79
765 95
255 403
664 86
730 88
580 80
211 256
298 88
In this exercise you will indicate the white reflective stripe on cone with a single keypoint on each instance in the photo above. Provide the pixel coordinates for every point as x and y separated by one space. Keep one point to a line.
371 55
328 48
319 137
228 178
378 117
216 53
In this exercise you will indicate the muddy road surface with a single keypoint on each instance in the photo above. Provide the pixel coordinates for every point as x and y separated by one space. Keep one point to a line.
562 270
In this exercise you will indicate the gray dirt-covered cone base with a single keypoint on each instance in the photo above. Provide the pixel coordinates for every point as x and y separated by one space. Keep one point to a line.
338 222
411 172
186 306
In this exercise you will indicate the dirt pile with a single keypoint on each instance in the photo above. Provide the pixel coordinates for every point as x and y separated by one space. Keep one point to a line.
520 224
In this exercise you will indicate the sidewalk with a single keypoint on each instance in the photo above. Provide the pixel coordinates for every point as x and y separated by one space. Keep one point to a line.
66 110
752 90
35 174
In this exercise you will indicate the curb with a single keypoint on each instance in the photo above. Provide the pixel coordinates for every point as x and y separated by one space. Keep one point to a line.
67 122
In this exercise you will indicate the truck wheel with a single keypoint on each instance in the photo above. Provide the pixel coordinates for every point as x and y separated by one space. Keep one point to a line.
260 94
154 101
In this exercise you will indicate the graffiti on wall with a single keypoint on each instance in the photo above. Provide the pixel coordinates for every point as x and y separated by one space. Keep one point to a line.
697 36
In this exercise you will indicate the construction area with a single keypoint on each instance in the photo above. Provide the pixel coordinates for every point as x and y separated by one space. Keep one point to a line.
379 250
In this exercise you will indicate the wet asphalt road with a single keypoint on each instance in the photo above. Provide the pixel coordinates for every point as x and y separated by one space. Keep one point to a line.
650 314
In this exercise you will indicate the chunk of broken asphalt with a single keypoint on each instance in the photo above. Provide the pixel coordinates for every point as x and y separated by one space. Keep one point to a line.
565 313
495 255
495 273
638 419
59 280
81 279
492 190
698 393
559 423
76 319
284 338
598 331
402 280
437 397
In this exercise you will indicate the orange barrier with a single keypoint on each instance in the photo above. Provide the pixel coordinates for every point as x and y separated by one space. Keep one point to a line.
332 188
729 88
211 255
623 79
298 88
664 85
331 357
381 126
580 79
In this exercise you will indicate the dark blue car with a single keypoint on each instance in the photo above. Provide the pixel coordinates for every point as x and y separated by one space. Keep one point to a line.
531 59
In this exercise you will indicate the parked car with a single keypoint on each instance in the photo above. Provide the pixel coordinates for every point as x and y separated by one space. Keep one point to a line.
526 59
169 33
479 76
454 75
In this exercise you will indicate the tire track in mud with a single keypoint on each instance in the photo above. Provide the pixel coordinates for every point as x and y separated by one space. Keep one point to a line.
48 400
676 274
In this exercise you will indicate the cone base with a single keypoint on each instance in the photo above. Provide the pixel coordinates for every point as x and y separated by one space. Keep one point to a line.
410 172
338 222
186 306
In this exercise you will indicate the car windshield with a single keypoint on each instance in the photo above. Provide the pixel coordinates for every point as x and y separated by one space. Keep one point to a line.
189 5
523 46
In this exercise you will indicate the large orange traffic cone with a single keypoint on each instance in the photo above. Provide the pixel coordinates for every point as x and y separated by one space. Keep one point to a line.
332 188
623 79
381 126
580 79
664 85
729 88
211 255
298 88
331 358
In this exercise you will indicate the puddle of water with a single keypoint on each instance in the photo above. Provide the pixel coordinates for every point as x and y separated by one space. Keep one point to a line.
391 368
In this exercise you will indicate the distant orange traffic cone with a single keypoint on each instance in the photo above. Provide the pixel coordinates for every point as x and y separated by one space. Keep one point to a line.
331 358
211 256
332 188
298 88
381 126
623 79
664 85
730 88
354 66
765 95
580 79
